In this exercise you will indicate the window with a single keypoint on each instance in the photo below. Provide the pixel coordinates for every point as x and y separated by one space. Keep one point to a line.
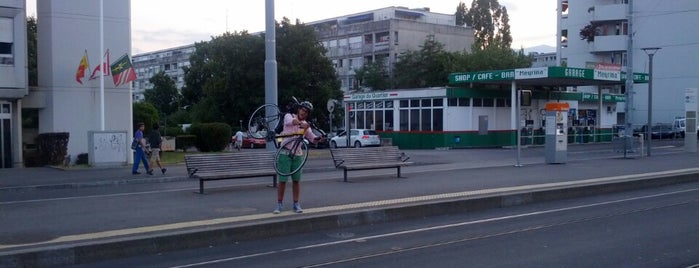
6 41
488 102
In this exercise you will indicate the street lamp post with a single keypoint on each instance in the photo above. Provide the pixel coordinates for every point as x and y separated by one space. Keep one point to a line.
241 125
650 51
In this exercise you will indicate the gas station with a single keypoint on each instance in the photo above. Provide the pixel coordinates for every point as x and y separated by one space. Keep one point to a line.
546 85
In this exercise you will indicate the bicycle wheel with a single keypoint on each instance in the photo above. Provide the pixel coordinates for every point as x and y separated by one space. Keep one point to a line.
286 162
263 121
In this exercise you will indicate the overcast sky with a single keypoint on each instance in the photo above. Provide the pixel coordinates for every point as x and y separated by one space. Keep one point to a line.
161 24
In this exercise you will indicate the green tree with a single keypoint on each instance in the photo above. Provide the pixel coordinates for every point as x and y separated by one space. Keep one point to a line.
428 67
164 95
304 70
373 75
146 113
225 81
490 23
31 52
460 14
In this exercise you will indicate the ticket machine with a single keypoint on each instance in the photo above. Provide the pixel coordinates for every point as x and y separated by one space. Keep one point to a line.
556 147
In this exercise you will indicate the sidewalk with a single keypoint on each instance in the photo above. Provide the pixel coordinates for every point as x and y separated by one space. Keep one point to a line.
145 217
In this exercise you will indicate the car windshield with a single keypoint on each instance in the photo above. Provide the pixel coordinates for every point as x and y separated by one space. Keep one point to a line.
370 132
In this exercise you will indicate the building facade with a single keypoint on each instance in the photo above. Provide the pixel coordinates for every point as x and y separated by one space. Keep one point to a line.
382 35
170 61
595 34
13 79
66 98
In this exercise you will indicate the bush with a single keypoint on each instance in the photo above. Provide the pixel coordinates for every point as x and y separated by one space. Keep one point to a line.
173 131
82 159
211 137
52 148
185 141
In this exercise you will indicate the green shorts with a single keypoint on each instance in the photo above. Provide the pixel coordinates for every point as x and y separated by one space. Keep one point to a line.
285 164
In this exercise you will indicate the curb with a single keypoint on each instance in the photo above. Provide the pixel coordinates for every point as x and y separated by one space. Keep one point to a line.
156 242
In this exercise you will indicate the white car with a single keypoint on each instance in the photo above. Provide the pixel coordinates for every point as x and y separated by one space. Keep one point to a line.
358 138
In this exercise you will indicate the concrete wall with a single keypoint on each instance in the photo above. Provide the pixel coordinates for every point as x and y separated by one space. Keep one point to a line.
66 29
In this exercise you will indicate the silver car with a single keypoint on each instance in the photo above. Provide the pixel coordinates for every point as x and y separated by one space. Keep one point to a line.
358 138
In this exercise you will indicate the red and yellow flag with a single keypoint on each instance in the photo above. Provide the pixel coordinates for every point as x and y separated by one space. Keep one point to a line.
84 65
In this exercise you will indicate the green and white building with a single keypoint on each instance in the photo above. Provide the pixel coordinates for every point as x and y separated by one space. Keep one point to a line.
477 109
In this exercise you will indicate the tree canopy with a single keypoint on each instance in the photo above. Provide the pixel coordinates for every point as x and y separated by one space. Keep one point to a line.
490 23
164 95
225 81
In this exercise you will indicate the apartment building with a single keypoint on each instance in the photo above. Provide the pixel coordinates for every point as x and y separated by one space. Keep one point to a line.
595 34
169 60
383 34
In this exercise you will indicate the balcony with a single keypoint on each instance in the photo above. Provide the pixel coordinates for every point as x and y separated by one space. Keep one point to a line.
608 43
615 12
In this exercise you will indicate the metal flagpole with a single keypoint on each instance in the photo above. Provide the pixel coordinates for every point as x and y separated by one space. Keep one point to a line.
102 68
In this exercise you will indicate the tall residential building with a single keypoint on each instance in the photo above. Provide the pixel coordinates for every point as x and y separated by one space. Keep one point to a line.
169 60
594 34
383 34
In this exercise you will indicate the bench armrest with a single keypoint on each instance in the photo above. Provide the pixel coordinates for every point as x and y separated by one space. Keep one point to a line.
404 157
191 171
339 162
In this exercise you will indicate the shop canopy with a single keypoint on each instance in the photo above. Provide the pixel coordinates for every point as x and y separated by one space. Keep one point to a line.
547 77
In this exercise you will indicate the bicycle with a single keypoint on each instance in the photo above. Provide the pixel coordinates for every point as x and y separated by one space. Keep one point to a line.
267 120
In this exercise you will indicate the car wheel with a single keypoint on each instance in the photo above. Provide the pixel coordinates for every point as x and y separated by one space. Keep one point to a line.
357 144
333 144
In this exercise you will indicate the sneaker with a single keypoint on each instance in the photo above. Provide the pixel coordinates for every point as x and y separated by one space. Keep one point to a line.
150 172
135 172
163 170
280 206
297 208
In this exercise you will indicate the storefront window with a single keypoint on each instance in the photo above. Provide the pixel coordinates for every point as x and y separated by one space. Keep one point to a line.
438 118
426 120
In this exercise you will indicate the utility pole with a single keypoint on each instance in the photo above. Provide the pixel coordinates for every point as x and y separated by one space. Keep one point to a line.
628 105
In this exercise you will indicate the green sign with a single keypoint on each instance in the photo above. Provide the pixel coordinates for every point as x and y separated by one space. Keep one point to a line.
567 72
460 78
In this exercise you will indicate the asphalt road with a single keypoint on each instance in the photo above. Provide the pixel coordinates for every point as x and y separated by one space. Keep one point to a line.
645 228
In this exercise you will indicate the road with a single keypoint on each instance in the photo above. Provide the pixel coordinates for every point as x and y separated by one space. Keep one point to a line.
645 228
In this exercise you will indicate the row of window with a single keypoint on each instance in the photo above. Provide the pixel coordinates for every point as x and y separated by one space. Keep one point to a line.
6 41
415 115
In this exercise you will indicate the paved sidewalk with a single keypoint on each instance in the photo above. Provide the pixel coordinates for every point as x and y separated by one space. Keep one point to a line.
143 214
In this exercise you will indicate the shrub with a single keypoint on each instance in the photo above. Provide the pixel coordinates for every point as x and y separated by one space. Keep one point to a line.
185 141
173 131
82 159
52 148
212 137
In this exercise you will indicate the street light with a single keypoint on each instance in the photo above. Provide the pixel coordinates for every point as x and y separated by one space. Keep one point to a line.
650 51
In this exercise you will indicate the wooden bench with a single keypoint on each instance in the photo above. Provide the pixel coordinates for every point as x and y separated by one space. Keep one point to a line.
368 158
221 166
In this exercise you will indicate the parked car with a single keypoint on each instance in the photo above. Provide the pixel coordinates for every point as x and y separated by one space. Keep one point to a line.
358 138
662 131
252 142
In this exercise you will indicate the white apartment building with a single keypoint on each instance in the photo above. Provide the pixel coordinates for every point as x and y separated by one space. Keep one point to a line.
667 25
169 60
385 33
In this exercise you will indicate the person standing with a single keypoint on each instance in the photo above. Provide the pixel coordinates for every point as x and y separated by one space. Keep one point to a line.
155 140
294 123
239 140
140 153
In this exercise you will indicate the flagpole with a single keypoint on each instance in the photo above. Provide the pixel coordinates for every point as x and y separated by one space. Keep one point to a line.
102 69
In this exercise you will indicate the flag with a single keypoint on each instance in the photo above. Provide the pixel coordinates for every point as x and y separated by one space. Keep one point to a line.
122 71
84 65
104 65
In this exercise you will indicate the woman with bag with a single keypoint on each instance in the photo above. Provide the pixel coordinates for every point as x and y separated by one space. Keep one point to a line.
139 153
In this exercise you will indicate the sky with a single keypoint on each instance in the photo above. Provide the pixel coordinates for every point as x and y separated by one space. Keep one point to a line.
162 24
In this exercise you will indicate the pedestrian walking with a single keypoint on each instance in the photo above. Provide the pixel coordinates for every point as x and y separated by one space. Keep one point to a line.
156 140
140 151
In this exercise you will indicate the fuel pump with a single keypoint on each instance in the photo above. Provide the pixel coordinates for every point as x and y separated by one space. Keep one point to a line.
556 147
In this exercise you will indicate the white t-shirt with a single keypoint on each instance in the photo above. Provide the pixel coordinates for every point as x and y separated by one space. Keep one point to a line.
239 136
